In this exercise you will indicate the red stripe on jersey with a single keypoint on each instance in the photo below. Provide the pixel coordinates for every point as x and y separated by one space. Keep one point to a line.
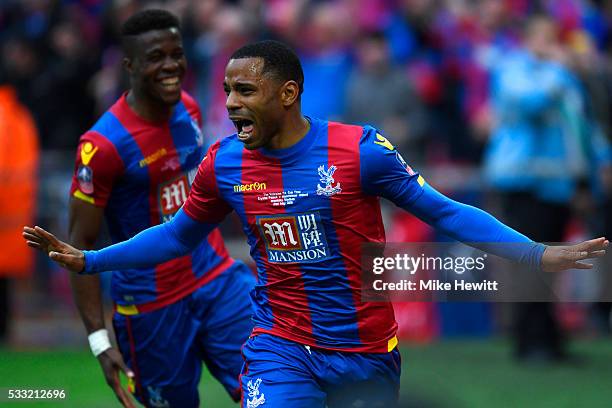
204 203
192 107
156 145
185 287
357 220
284 284
215 240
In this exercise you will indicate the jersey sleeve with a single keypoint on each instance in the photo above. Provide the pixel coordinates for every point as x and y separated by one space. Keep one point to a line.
385 173
97 166
205 203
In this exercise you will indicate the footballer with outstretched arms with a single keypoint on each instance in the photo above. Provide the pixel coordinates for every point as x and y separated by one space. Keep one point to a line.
307 192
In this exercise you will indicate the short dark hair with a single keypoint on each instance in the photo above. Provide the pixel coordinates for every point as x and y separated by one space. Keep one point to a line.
149 20
279 60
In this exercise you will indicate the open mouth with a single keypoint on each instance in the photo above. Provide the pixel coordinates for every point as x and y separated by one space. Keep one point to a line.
171 84
245 128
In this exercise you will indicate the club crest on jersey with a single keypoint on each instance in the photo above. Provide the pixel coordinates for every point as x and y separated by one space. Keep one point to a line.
171 196
155 398
85 178
256 398
326 177
172 164
293 237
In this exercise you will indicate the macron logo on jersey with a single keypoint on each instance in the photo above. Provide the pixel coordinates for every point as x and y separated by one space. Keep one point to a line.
294 237
256 186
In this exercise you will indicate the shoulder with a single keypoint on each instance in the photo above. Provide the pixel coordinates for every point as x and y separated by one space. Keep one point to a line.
230 143
344 131
109 127
225 145
95 147
102 140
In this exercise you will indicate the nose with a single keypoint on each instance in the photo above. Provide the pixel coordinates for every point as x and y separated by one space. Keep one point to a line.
170 64
232 102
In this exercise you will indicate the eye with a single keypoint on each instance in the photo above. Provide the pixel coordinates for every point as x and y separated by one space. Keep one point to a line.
246 91
155 57
178 54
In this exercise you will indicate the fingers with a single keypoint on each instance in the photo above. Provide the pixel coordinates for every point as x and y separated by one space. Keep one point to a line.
62 258
32 238
69 261
125 368
593 244
122 395
597 254
47 235
34 245
582 265
29 230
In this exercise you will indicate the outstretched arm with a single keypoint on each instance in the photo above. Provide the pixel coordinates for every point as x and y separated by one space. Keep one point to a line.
472 225
148 248
199 215
469 224
385 173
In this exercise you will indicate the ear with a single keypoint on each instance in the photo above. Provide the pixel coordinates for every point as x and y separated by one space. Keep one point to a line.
290 92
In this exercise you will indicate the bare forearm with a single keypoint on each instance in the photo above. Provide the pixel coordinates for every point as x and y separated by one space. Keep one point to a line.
88 299
84 228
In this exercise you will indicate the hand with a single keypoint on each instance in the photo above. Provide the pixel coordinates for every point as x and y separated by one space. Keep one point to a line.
60 252
111 363
560 258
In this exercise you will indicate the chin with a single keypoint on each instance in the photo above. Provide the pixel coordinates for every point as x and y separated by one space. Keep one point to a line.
171 101
252 146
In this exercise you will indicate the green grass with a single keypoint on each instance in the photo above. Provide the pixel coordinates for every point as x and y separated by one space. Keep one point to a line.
447 374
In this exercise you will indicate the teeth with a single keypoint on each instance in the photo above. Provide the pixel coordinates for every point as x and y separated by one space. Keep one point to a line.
170 81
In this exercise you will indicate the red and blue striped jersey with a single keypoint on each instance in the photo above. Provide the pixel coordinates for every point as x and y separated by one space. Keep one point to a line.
141 173
306 211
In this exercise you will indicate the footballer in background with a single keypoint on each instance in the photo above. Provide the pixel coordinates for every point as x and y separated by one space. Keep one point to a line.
134 167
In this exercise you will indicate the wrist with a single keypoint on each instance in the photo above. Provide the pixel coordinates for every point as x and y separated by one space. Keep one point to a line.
537 257
99 342
88 262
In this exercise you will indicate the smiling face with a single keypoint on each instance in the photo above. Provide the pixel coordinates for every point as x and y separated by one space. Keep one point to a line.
157 65
256 102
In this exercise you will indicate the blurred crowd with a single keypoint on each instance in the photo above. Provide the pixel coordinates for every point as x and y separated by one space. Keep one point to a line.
418 69
451 82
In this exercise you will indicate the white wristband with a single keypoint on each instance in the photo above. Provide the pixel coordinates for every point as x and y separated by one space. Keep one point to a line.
99 342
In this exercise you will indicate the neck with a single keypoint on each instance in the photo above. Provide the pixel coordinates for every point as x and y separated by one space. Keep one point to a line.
291 131
148 109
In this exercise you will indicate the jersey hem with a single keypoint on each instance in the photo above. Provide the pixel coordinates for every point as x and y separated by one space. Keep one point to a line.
133 309
379 347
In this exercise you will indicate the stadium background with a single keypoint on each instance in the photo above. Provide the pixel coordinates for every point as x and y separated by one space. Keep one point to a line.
63 59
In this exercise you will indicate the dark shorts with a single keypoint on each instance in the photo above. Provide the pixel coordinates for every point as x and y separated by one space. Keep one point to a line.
166 347
282 373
